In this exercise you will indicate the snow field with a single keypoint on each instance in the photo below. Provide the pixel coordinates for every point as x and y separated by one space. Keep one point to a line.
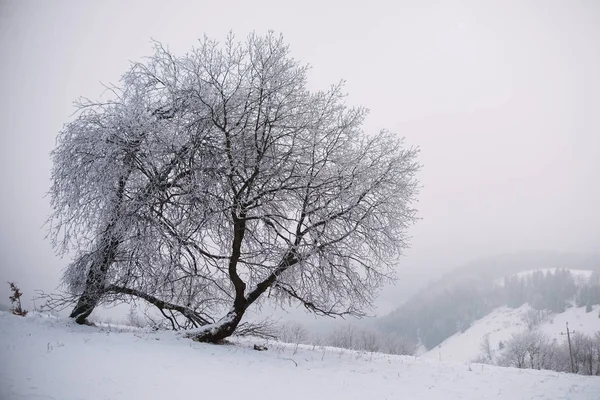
49 358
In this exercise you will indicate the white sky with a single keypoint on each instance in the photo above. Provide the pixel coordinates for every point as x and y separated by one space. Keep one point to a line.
503 99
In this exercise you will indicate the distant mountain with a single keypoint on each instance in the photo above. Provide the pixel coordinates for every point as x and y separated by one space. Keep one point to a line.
467 294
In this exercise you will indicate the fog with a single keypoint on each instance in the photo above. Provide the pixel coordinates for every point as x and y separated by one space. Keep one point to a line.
502 98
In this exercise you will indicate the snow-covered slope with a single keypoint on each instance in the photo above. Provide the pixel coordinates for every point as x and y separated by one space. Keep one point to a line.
48 358
579 320
501 323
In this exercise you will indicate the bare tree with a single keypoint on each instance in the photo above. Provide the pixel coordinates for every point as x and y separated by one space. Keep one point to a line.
350 336
532 349
343 336
293 332
486 349
537 344
216 178
369 340
525 350
397 344
534 317
583 353
515 352
121 177
596 339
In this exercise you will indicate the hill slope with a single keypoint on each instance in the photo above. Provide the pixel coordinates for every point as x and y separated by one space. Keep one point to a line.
503 322
547 281
50 358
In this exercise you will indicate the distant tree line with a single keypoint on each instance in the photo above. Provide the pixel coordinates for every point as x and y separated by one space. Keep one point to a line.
348 336
588 294
438 313
543 291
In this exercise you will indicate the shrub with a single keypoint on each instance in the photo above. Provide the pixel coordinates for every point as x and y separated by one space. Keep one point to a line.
15 300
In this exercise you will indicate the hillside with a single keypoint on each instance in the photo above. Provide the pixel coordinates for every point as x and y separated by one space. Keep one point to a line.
503 322
49 358
546 281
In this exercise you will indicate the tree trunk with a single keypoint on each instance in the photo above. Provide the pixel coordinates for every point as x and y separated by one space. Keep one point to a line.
86 304
95 283
215 333
96 279
195 318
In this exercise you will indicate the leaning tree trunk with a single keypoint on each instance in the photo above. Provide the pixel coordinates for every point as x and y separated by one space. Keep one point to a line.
89 299
216 333
95 282
224 328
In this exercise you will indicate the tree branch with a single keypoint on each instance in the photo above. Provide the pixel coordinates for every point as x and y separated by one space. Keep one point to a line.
191 315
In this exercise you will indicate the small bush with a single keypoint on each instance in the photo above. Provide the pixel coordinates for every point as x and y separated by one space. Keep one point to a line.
15 300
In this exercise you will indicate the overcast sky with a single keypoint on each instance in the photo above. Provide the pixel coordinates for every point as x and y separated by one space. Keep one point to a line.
502 97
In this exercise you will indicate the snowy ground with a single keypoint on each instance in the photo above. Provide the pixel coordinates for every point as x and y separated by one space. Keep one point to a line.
503 322
49 358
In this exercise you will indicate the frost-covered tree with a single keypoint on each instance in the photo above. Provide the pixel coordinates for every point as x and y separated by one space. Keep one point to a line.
487 355
517 352
217 178
122 192
293 332
532 349
350 336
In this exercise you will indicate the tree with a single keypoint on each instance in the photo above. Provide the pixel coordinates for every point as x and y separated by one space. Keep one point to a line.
583 353
533 318
515 353
596 340
217 177
397 344
485 348
526 350
293 332
121 193
353 337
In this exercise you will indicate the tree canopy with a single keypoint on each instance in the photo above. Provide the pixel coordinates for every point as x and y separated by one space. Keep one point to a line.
212 179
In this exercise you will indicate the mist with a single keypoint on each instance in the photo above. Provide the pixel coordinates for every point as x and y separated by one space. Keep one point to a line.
502 99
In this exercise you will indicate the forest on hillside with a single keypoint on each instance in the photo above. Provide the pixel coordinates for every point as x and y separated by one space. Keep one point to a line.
443 310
